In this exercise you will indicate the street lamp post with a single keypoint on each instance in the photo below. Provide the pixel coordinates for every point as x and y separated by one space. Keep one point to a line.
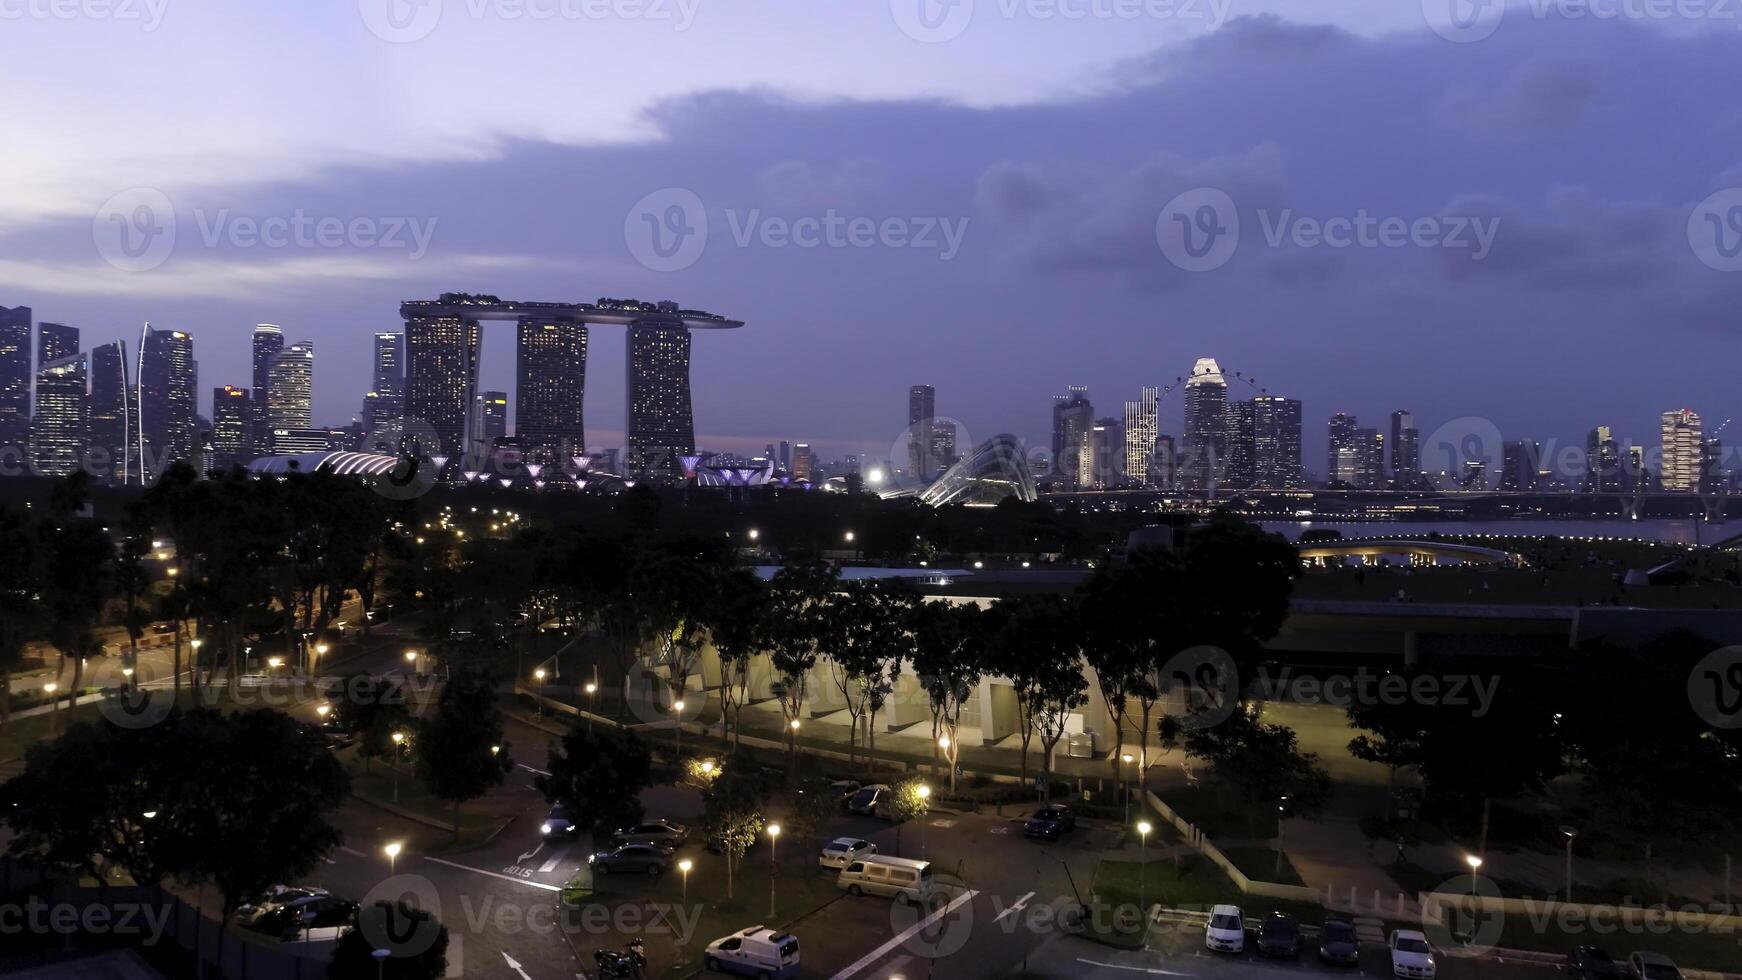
538 675
1143 829
392 851
1569 833
1475 864
592 704
773 864
1125 782
398 744
53 705
683 956
924 792
677 709
411 661
949 758
320 651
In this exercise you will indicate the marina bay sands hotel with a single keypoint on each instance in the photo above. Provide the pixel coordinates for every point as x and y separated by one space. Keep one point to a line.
444 346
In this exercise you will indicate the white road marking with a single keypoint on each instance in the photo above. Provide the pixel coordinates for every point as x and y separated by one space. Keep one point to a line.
1014 908
904 936
512 965
494 874
528 768
1152 971
529 855
550 865
352 851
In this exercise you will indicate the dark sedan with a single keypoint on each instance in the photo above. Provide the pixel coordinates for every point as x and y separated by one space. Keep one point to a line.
1337 943
649 859
1048 822
1592 963
1279 936
288 919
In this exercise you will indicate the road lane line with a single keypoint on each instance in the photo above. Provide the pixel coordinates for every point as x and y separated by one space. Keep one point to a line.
550 865
1152 971
1014 908
493 874
904 936
528 768
352 851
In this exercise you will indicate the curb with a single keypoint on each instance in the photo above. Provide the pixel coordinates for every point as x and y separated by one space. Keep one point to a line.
404 813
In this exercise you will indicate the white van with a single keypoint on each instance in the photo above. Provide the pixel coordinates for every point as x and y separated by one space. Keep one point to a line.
902 879
757 951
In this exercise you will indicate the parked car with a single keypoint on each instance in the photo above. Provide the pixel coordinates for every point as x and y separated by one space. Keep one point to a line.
163 629
865 800
287 919
558 824
902 879
1652 966
1048 822
1592 963
1226 930
278 893
1411 956
757 951
646 858
661 832
1279 936
843 851
1338 945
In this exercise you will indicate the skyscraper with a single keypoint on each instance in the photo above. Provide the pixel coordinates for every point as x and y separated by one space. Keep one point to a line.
60 427
1341 461
112 415
1204 444
661 420
495 416
232 427
1370 458
15 343
1073 417
440 372
290 388
268 342
921 409
1405 451
384 404
1239 471
550 389
1141 428
168 381
1602 461
804 462
56 341
1106 453
1681 451
1276 443
1520 465
1712 483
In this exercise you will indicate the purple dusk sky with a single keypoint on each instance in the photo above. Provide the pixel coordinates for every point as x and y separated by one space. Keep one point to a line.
1544 238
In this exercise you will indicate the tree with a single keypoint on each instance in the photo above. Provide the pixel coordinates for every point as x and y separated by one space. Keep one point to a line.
742 630
422 958
373 708
1038 646
1260 763
905 802
78 575
800 594
461 754
949 659
1122 620
19 609
734 813
598 776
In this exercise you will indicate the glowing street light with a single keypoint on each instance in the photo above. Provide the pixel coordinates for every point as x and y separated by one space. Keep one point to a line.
773 864
398 747
392 850
924 794
1475 864
1125 781
677 708
754 534
1143 829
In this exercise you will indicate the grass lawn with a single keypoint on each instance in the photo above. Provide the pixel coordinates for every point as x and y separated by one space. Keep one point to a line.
1260 864
1221 819
1542 931
377 784
1195 884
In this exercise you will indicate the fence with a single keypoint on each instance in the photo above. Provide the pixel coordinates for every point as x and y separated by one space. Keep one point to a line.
151 919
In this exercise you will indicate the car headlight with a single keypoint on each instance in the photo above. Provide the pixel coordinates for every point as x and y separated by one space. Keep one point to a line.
544 828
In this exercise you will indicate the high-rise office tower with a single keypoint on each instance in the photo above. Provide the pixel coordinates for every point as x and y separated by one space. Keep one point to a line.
232 427
112 415
1405 451
1106 453
1239 472
1602 461
384 404
60 427
785 459
804 462
15 344
1341 460
1712 481
268 343
1370 458
661 419
440 368
921 410
56 341
1276 443
1161 468
1141 428
1681 450
167 400
1520 465
495 411
1204 444
550 390
290 385
1073 417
